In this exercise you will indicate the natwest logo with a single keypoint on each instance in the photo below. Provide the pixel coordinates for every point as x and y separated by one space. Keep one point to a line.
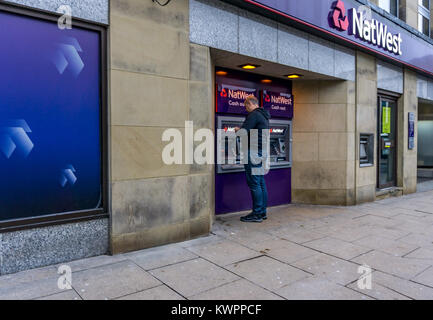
338 16
281 100
239 94
369 30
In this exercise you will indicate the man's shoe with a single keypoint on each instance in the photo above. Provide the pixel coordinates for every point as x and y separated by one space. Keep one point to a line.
252 217
264 216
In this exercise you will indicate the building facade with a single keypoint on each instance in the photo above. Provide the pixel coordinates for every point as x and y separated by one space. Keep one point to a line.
349 85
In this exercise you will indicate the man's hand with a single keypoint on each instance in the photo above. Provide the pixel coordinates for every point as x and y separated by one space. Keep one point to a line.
237 129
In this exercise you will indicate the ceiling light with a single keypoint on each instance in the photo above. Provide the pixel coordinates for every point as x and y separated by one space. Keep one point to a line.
266 81
221 73
294 76
249 66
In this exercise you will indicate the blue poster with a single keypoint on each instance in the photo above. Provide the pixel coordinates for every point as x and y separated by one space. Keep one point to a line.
50 127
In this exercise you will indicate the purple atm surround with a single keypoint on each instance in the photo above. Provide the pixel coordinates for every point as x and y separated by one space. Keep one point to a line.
232 193
231 190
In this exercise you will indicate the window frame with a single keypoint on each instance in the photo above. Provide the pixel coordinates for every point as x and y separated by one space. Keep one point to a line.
397 3
81 215
424 12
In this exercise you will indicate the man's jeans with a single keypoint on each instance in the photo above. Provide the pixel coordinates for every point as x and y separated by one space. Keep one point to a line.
257 186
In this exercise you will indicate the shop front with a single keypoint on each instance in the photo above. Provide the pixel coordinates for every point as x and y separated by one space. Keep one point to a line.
348 87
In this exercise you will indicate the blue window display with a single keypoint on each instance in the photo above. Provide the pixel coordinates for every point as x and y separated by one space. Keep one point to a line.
50 118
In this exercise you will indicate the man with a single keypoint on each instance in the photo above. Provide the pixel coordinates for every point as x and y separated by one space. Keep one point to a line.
258 119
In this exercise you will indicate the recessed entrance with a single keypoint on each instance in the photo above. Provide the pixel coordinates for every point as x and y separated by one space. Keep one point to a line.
425 145
387 142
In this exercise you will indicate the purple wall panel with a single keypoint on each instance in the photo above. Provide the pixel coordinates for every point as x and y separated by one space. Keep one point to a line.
232 193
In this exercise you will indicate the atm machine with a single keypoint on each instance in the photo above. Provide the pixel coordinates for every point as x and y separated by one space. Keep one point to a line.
231 190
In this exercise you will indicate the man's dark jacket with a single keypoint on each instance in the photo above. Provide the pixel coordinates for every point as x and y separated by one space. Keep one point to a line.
257 119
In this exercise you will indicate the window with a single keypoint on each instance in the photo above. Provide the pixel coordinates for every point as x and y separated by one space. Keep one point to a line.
390 6
424 16
51 120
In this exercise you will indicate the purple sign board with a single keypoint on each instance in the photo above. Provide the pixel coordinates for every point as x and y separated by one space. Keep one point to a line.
278 104
230 98
352 23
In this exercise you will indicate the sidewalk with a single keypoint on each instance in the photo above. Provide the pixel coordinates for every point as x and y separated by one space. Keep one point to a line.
300 252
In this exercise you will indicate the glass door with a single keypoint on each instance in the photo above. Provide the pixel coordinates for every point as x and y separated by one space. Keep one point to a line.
387 142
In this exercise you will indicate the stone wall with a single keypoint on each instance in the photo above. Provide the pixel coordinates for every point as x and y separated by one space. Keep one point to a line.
365 121
323 142
407 159
92 10
158 81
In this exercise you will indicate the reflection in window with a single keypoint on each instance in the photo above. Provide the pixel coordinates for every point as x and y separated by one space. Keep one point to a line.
390 6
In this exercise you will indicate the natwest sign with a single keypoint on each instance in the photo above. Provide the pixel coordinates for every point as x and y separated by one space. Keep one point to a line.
230 98
279 104
347 21
372 31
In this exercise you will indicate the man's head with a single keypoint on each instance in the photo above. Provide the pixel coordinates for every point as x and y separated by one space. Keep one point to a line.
251 103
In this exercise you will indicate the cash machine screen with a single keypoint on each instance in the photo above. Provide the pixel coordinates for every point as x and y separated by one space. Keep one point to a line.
279 144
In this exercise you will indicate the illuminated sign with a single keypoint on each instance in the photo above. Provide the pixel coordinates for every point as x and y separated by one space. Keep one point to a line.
279 104
230 99
372 31
375 32
276 130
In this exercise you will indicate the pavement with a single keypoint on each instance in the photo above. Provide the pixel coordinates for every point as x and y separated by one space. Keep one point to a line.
380 250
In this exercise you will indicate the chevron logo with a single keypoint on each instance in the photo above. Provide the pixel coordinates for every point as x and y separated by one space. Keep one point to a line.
339 17
68 175
14 138
66 56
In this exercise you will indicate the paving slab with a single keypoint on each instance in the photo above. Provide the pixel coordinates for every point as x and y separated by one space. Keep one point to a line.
336 247
192 277
283 250
158 293
334 269
244 237
88 263
212 238
425 277
378 292
350 234
319 288
398 266
404 287
392 233
28 276
65 295
267 272
422 254
393 247
224 253
237 290
112 281
418 239
299 235
30 290
379 221
159 257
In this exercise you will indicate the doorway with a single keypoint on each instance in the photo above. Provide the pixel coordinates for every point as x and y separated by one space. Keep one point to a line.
387 142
